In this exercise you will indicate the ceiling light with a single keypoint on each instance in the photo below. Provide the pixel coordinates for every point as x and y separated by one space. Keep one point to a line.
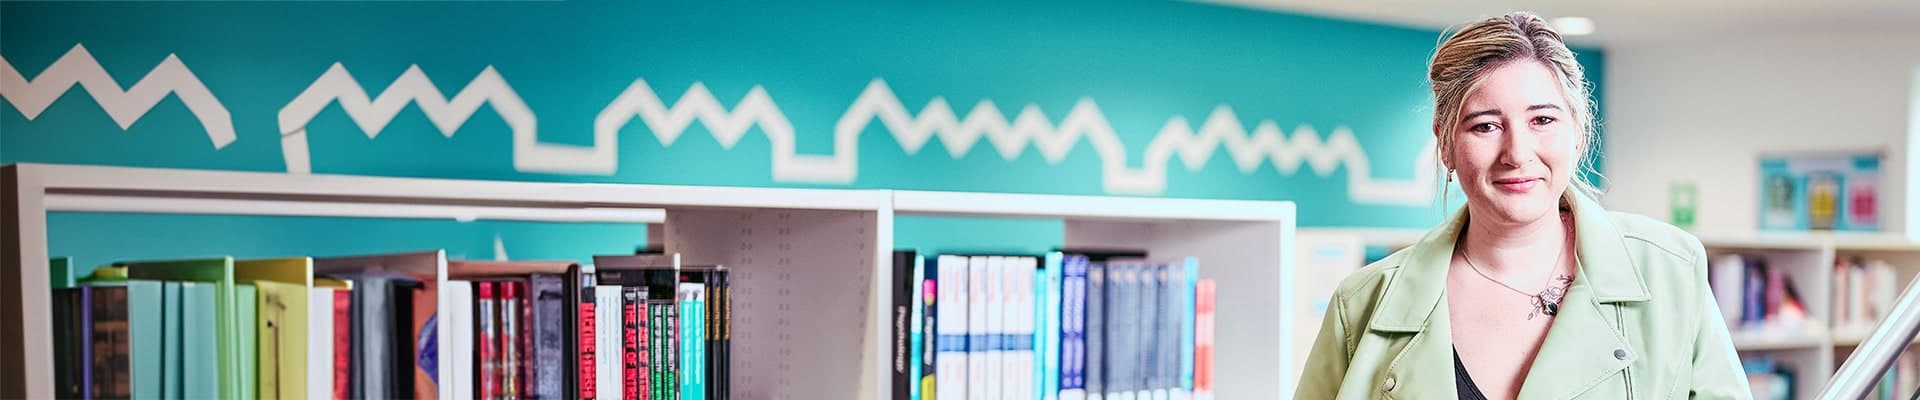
1573 26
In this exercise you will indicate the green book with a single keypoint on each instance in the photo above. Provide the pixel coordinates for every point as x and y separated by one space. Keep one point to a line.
144 310
210 328
62 274
170 343
247 297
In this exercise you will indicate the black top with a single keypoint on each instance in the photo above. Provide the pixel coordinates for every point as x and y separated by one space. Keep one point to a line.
1464 383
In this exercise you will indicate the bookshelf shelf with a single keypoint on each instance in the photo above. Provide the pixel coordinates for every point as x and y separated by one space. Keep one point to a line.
810 265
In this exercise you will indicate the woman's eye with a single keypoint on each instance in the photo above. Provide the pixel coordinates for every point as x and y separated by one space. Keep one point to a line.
1484 127
1543 120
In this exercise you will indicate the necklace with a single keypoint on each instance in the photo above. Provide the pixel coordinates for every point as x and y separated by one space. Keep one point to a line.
1547 301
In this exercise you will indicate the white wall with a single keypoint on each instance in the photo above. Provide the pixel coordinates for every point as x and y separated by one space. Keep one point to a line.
1701 110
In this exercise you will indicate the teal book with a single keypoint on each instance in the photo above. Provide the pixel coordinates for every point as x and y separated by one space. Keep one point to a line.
692 376
209 314
200 345
172 347
246 296
915 326
144 310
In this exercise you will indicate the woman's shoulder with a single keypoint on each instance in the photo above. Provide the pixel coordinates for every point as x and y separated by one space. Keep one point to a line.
1366 283
1656 239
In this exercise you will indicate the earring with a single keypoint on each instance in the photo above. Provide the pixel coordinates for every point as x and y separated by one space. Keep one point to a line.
1449 175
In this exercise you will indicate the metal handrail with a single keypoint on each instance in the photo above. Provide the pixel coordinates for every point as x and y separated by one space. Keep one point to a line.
1870 362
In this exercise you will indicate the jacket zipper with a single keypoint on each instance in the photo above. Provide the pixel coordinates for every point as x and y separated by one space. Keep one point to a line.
1627 372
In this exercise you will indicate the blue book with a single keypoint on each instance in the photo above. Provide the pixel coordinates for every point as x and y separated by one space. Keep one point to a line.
200 352
145 337
1073 327
692 341
1189 275
1098 297
930 329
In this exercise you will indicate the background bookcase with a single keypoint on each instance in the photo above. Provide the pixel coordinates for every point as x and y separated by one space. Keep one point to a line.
810 265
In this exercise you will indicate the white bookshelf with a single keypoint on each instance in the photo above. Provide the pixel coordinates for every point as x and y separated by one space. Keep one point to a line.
811 266
1245 246
805 260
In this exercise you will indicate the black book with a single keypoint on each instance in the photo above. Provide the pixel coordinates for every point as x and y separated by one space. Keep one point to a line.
548 299
900 314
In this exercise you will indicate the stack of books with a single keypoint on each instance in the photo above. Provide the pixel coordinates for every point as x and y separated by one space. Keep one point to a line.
1057 326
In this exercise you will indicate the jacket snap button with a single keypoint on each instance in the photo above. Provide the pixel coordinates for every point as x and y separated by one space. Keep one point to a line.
1390 382
1620 354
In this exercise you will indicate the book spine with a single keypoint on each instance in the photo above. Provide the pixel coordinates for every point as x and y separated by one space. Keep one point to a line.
672 378
1190 274
1203 340
343 344
953 324
929 329
1171 278
489 341
726 336
657 362
526 353
710 336
1124 333
1019 327
979 323
1073 327
68 359
608 320
901 317
510 350
630 300
693 336
550 324
585 378
916 324
1097 348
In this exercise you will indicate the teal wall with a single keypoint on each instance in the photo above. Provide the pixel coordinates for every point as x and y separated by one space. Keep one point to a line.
1150 71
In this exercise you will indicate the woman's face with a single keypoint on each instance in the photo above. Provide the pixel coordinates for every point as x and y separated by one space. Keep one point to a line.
1514 144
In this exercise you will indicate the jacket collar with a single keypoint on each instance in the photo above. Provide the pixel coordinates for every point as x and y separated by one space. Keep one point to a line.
1413 294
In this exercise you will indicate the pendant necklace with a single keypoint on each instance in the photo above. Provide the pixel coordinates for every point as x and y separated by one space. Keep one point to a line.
1547 301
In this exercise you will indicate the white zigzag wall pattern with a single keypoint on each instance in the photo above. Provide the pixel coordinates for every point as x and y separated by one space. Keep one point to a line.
78 67
876 102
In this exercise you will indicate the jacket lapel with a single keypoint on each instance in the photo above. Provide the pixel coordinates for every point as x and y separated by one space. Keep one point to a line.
1585 346
1414 302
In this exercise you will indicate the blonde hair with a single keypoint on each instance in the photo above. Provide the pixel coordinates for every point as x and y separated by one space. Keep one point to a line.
1473 50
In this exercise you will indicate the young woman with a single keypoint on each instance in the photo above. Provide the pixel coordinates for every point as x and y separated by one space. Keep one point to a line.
1531 291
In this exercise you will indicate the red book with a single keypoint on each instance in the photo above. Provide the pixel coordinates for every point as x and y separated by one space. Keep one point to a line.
527 363
342 343
489 340
1203 339
630 306
586 358
509 328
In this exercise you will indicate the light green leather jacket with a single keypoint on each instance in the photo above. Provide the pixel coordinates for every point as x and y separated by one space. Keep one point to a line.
1638 323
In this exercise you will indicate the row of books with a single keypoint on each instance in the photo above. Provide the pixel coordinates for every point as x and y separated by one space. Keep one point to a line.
1059 326
1863 292
388 326
1754 296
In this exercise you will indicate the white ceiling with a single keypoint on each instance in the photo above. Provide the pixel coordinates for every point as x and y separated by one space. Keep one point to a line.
1629 21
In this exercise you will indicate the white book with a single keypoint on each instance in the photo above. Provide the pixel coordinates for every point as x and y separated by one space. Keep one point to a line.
1729 276
458 318
978 306
950 325
1020 325
916 327
320 344
996 326
1050 328
607 321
